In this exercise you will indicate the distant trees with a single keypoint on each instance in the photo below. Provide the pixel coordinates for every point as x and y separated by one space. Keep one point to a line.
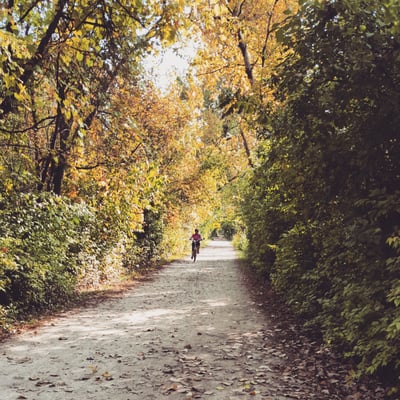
237 51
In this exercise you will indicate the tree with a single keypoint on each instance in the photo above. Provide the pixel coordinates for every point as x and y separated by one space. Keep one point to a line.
238 53
76 52
329 177
78 121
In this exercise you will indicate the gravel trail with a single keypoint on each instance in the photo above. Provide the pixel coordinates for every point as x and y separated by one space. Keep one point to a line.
193 331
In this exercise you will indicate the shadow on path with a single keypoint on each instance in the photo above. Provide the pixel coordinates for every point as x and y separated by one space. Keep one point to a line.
191 332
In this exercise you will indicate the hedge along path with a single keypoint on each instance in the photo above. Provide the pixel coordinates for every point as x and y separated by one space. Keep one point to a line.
193 331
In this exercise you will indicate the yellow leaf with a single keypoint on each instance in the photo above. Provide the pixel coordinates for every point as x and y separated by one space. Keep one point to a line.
107 376
18 96
8 185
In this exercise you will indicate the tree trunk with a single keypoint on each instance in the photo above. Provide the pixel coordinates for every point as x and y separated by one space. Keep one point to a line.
246 57
8 103
246 148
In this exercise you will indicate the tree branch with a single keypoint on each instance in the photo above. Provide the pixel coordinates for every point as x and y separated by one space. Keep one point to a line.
34 126
131 15
8 103
268 33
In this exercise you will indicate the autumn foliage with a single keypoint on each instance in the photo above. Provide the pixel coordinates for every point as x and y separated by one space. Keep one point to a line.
102 175
283 134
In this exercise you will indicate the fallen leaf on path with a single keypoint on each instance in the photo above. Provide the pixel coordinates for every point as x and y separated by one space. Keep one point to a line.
93 368
248 388
22 360
170 389
107 376
355 396
168 371
198 390
43 383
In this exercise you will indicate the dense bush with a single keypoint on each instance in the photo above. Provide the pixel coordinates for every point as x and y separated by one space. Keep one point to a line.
322 212
41 238
144 250
50 248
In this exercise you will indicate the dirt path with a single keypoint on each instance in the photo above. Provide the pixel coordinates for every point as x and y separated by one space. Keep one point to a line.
192 332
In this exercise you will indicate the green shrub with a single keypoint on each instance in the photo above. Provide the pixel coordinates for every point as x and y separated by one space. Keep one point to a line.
41 237
293 272
325 197
240 242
